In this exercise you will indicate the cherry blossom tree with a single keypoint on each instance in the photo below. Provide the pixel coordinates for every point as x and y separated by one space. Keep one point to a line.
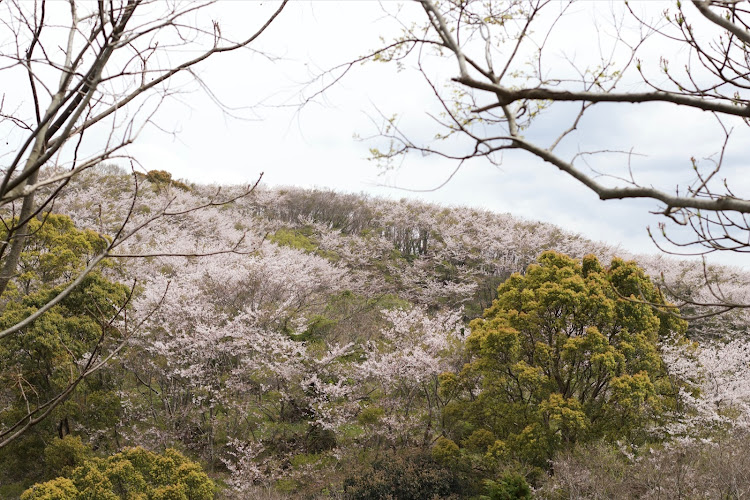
405 365
720 371
222 355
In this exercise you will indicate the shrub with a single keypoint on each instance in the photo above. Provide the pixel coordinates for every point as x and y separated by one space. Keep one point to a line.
510 487
62 456
132 473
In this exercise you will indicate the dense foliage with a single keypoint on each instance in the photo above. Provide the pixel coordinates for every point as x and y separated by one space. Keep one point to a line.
342 349
52 355
132 473
561 359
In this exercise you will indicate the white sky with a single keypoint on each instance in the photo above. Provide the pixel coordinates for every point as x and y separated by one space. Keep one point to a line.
315 146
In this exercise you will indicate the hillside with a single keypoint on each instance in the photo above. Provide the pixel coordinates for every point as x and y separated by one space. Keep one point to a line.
319 343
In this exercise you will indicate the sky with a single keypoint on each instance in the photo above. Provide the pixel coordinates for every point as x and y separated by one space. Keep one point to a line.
325 143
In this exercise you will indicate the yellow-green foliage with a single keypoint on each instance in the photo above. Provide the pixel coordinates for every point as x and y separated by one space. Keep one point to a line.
445 451
562 359
56 251
161 178
134 473
301 239
64 455
42 359
58 340
512 486
370 415
60 489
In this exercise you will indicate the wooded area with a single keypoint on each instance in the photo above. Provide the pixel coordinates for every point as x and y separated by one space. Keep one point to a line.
164 339
362 348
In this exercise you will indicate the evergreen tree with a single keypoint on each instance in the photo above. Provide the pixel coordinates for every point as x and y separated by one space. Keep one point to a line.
561 358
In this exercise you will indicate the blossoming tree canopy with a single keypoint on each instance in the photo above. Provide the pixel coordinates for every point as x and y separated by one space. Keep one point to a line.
567 352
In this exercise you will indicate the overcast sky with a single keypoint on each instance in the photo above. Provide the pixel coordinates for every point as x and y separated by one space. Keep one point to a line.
316 146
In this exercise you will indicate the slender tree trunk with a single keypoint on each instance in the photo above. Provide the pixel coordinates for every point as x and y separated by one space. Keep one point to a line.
18 239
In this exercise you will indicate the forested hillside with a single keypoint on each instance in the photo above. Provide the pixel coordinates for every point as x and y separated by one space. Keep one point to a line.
302 343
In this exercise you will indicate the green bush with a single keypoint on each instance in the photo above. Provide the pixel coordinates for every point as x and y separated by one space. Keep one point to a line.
61 488
445 452
62 456
300 239
511 486
159 178
134 473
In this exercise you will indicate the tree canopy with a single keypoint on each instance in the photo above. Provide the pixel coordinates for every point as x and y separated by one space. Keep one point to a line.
134 473
45 364
560 358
